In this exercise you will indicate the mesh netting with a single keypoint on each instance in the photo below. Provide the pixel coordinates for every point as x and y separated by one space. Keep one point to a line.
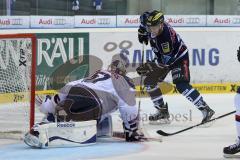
15 82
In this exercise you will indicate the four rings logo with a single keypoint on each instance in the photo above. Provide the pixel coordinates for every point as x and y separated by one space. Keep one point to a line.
193 20
103 21
236 20
13 21
59 21
17 21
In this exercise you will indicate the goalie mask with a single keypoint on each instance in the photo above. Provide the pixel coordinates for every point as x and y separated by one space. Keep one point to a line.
118 67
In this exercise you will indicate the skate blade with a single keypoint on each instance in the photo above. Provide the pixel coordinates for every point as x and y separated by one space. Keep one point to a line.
237 155
206 125
159 122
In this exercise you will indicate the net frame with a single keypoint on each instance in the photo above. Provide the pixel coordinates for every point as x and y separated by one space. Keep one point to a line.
33 72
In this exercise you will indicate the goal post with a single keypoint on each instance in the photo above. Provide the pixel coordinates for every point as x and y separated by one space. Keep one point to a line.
17 81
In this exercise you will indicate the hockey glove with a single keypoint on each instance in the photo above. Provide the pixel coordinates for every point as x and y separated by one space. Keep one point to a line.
142 35
143 70
152 68
238 54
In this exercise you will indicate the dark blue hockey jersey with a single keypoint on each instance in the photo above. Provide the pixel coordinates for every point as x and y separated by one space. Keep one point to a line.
168 46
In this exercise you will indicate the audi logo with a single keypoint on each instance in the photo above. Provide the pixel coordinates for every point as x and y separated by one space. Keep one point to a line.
17 21
103 21
59 21
236 20
193 20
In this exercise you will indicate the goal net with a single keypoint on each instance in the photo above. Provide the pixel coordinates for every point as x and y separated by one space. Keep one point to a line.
17 84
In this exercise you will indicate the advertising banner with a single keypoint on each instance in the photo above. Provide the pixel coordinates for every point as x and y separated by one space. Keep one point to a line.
174 20
61 57
14 22
121 21
212 54
52 21
95 21
186 20
223 20
128 20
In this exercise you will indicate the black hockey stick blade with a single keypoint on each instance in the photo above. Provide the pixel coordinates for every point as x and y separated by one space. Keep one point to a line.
163 133
188 128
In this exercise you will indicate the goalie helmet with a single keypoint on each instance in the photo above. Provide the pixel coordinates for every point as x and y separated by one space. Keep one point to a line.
155 18
118 67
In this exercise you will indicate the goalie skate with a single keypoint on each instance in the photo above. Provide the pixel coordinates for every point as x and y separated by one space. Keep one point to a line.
32 140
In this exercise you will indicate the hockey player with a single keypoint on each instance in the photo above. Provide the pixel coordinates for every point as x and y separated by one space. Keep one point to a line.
95 97
235 148
171 54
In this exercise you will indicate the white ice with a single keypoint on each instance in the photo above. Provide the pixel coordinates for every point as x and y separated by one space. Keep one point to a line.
201 143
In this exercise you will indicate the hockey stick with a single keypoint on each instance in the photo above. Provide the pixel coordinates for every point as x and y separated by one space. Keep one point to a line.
183 130
141 78
141 81
141 125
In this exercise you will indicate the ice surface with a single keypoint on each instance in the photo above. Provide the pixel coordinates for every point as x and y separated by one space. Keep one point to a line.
202 143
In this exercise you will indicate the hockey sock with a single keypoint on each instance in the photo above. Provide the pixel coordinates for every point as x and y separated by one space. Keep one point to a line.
156 96
190 93
237 115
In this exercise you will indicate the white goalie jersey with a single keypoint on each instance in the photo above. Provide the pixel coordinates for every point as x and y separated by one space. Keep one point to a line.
112 90
104 92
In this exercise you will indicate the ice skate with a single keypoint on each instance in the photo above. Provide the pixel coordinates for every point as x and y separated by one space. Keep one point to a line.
161 116
232 151
207 113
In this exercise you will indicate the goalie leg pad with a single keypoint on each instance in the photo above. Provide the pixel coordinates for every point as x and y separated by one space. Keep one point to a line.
62 134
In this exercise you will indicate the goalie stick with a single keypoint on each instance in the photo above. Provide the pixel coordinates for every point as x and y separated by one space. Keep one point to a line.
183 130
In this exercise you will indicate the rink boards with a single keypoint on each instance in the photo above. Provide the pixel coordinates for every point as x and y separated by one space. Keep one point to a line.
167 88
